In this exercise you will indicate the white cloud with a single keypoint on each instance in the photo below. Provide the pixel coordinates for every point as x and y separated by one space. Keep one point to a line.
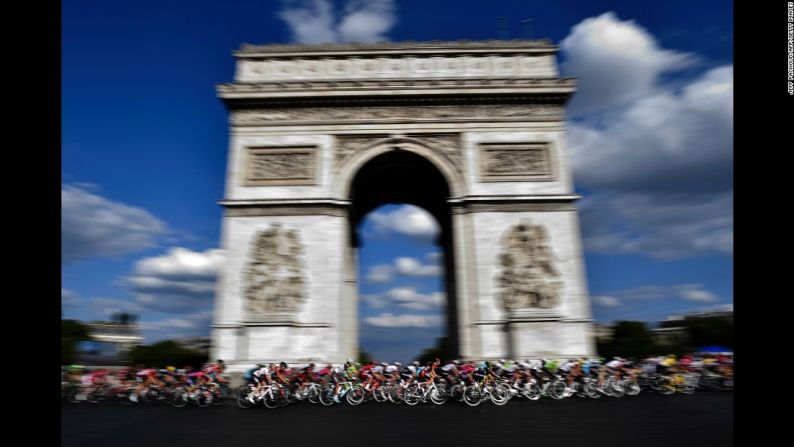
671 141
379 274
657 225
374 301
314 21
409 298
687 292
407 219
658 163
93 226
189 325
699 295
367 20
606 301
69 298
177 281
616 61
407 266
404 320
412 267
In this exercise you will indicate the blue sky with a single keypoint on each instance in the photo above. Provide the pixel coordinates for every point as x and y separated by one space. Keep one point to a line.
144 146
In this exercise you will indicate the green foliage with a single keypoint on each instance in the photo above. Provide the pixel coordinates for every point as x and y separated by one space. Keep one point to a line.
631 339
167 353
71 332
364 357
442 350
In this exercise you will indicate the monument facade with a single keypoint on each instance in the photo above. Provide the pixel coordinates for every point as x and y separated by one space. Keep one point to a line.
473 132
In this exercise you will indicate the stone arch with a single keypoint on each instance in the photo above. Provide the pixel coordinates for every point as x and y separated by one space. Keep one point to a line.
343 180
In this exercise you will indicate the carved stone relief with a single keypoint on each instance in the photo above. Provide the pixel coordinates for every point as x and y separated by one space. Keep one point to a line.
275 275
515 161
528 278
447 144
280 166
518 111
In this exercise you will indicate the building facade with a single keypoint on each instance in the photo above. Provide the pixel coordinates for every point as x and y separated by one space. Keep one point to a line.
473 132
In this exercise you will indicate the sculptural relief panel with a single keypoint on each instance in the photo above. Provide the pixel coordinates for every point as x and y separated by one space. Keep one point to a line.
274 278
528 276
280 166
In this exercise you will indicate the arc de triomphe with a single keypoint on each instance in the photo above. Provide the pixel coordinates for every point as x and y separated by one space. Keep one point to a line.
473 132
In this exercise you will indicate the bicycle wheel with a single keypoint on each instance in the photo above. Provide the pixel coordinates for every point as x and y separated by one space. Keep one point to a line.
500 394
533 392
327 397
272 399
380 395
472 396
666 388
412 394
556 389
439 395
314 394
395 394
179 399
242 398
355 396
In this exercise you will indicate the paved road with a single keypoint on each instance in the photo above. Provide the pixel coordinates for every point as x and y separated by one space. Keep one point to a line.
703 419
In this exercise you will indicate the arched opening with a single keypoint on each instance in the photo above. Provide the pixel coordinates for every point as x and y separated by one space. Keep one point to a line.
400 176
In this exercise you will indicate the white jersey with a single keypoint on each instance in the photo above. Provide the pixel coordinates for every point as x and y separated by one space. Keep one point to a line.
567 366
262 372
391 369
377 370
448 367
615 364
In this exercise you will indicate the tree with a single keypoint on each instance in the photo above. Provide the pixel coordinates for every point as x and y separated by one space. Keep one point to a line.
630 339
72 331
165 353
442 350
364 357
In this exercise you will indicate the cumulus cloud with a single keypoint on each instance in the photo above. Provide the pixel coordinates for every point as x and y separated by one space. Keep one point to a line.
69 298
606 301
657 158
404 320
177 281
412 267
677 141
189 325
408 220
409 298
687 292
703 296
616 61
315 21
660 226
406 266
93 226
375 301
379 274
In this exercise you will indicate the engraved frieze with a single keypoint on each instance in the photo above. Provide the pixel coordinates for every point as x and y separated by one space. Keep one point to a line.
515 161
280 166
275 275
470 112
528 278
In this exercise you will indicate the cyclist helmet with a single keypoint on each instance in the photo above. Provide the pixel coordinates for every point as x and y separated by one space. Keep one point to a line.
398 364
416 363
283 365
171 369
311 365
261 365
